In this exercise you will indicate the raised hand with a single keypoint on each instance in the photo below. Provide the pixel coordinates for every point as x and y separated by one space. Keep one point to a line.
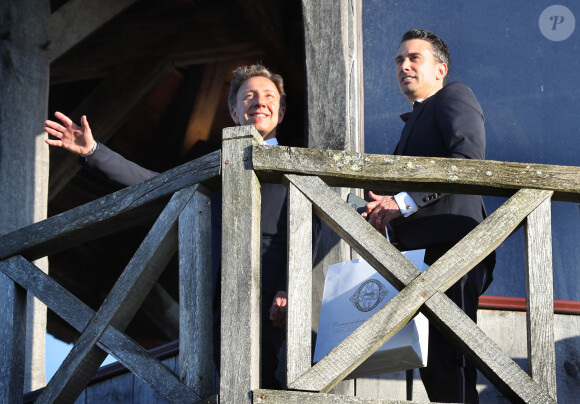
70 136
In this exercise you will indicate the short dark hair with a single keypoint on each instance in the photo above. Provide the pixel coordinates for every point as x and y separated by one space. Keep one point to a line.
243 73
440 49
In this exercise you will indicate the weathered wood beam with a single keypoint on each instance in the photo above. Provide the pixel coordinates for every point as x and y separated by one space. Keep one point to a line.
263 396
13 334
196 365
106 108
109 214
121 304
491 360
332 34
24 80
386 172
299 329
440 276
240 277
540 298
77 19
206 104
76 313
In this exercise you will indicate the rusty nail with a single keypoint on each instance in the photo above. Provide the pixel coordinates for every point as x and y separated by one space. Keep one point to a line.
227 162
423 294
263 397
422 280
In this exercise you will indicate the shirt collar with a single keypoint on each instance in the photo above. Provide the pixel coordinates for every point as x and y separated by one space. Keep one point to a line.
271 142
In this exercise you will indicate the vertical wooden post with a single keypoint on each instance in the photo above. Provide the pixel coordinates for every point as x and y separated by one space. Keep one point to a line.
333 40
196 367
299 329
24 34
13 335
540 298
240 278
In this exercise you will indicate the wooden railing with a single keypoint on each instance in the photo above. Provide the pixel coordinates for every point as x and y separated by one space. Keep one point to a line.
309 174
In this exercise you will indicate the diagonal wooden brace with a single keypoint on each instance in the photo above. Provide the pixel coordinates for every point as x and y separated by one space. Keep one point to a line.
440 276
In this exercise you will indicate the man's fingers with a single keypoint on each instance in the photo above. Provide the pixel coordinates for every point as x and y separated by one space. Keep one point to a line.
85 124
54 125
53 132
53 142
63 118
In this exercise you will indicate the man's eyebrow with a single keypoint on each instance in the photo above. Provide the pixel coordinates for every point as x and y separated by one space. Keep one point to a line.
409 55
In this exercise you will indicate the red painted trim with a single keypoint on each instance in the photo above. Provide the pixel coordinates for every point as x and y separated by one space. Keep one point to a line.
519 304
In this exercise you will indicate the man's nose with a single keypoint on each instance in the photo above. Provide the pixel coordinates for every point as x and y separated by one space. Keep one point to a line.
261 99
405 64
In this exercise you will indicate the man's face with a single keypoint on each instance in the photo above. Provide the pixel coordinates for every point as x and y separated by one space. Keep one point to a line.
418 73
258 104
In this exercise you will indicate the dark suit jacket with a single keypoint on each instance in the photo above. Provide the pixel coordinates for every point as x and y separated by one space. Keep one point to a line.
447 124
115 167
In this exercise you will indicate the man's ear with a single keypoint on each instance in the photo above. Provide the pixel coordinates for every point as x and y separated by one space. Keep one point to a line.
442 71
281 113
234 115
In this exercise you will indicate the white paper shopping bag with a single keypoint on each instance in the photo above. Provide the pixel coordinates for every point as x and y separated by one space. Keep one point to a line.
353 292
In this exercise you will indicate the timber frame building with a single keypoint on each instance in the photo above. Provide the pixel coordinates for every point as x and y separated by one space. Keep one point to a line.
122 270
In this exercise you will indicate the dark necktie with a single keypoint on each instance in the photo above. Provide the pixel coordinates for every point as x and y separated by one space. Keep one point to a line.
408 124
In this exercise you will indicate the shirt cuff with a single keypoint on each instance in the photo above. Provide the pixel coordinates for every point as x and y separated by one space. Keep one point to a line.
406 204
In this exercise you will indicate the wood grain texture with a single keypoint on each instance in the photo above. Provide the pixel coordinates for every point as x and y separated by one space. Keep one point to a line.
24 78
494 363
441 275
540 298
107 215
120 305
333 55
385 172
13 337
299 341
78 315
240 278
300 397
196 366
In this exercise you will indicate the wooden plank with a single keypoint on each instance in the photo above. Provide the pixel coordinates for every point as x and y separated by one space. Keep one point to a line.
196 366
379 171
299 327
494 363
263 396
240 279
206 104
78 315
121 304
107 108
331 31
13 337
106 215
335 114
24 78
440 276
77 19
540 298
